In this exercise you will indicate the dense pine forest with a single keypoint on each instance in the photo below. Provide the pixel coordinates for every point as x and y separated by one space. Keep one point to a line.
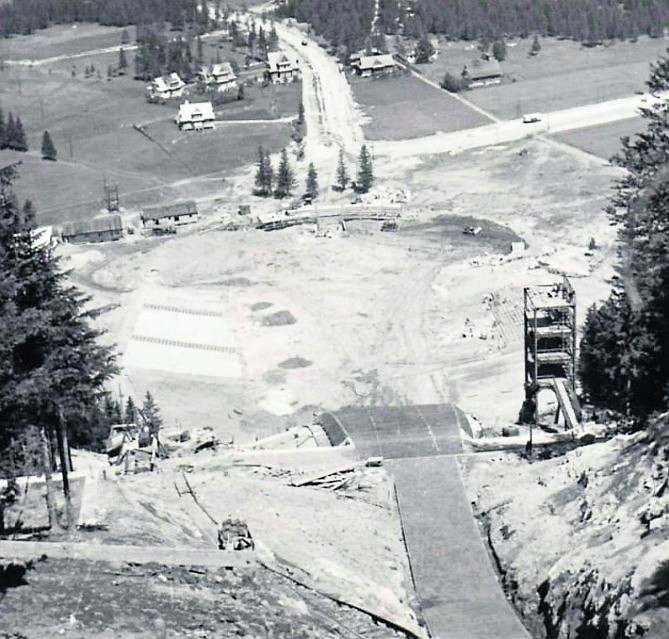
349 22
26 16
624 353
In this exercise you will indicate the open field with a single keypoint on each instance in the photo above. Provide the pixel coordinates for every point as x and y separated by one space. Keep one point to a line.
91 124
62 40
404 107
603 140
563 75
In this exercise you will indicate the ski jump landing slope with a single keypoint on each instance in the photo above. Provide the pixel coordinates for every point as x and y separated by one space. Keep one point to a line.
460 595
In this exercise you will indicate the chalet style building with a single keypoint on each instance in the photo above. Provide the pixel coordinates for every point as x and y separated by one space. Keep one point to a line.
166 87
195 116
369 65
483 72
218 77
281 68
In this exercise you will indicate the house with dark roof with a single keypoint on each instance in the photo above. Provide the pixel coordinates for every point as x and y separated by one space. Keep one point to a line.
369 65
169 216
483 72
103 228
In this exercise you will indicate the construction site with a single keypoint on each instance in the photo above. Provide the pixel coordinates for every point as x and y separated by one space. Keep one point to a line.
371 423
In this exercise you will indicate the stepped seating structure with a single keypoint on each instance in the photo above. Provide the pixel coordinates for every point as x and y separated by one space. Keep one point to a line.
550 346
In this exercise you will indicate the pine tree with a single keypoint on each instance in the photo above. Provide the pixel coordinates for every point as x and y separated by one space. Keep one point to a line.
499 50
268 173
365 171
342 173
130 413
424 51
10 132
52 368
48 148
3 139
285 180
261 174
122 62
21 143
312 182
624 358
151 414
536 46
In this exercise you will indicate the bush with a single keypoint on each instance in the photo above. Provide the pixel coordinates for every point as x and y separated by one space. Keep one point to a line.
454 84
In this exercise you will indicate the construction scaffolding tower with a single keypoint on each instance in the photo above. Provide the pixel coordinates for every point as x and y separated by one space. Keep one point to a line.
111 197
550 346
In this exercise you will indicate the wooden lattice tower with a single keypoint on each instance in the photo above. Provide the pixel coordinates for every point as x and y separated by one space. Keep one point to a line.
111 197
550 340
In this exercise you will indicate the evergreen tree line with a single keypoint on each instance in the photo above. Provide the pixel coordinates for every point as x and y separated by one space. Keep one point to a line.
12 133
159 53
345 23
52 366
582 20
624 351
349 24
282 183
26 16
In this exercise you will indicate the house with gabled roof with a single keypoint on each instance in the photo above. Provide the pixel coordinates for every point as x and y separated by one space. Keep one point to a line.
369 65
281 68
195 116
218 76
166 86
102 228
165 217
483 72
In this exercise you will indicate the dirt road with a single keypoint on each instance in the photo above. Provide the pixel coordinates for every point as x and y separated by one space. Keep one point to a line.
510 130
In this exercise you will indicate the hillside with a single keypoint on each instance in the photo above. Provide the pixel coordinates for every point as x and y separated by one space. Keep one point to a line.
581 539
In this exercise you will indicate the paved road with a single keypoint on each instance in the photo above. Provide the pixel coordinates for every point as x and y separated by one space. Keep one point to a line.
460 594
510 130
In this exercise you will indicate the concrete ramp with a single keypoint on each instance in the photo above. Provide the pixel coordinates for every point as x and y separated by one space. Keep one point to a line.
460 595
565 402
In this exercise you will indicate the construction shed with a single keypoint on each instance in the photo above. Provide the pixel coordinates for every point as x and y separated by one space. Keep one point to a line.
169 215
103 228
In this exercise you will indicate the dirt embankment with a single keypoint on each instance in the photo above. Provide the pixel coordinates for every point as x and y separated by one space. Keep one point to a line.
582 539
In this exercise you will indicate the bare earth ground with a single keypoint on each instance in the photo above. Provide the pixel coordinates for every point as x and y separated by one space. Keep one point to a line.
248 332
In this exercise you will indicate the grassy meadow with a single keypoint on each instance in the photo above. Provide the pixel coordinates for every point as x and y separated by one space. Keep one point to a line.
564 74
91 123
403 107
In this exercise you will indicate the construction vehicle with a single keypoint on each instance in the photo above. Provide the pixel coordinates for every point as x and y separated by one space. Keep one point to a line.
234 534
